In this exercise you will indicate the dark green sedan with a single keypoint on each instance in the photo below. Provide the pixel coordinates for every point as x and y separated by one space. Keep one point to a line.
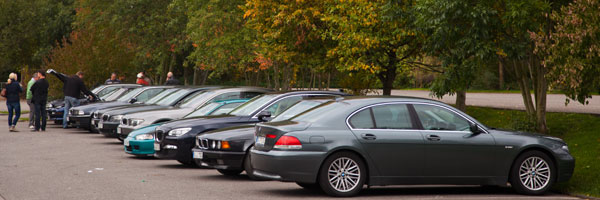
343 145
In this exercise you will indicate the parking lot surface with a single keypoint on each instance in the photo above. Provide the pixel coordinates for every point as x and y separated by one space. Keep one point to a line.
74 164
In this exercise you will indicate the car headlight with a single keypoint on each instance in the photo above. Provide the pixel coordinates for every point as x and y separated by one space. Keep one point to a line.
136 122
179 132
146 136
49 105
116 118
80 112
565 147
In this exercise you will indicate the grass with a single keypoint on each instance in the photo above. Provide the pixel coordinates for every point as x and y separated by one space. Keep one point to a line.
6 112
580 131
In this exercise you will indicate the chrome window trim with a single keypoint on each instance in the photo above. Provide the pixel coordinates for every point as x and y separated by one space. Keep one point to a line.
412 102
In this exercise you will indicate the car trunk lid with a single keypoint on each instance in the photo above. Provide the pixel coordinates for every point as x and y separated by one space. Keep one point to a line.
267 134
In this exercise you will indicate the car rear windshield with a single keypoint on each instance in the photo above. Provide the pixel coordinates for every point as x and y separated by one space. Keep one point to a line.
161 95
192 100
204 110
297 109
249 107
316 113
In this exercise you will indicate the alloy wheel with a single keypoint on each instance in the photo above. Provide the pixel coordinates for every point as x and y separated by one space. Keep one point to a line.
344 174
534 173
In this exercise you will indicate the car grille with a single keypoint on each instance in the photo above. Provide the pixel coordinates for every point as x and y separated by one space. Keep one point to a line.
128 148
207 144
98 115
159 135
105 117
124 121
73 112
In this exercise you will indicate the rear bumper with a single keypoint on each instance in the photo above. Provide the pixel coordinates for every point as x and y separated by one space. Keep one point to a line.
288 166
220 159
139 147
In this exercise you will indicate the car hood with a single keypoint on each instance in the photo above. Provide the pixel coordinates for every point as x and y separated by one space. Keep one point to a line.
129 109
152 115
203 121
143 130
101 105
244 132
526 134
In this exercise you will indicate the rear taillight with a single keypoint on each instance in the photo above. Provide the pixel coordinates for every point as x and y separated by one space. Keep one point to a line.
288 142
271 136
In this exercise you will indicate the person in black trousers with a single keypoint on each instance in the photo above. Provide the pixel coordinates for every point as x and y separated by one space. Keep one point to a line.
39 99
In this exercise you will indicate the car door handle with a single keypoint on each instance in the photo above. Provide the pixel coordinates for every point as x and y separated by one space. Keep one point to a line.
433 138
368 136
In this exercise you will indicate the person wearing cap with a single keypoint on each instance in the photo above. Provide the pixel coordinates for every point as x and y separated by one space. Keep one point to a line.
141 79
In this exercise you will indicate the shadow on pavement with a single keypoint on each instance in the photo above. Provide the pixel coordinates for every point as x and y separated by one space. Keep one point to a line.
219 177
177 166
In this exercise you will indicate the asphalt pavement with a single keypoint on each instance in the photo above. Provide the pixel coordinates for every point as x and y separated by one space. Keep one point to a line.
74 164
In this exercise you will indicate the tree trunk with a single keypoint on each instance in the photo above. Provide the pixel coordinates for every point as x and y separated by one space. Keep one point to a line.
540 89
195 79
387 78
461 100
500 76
204 77
268 77
523 83
328 79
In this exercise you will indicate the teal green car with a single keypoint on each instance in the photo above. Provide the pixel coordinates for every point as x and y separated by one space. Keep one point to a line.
140 142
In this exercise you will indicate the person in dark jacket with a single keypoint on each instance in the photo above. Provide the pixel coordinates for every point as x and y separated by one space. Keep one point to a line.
13 102
112 80
72 89
171 80
39 90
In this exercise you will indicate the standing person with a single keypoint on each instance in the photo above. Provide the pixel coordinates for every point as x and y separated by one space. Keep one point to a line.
39 91
142 80
72 89
112 80
29 95
171 80
13 103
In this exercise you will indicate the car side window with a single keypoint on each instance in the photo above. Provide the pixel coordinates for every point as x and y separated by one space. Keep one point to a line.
392 116
362 120
282 105
439 118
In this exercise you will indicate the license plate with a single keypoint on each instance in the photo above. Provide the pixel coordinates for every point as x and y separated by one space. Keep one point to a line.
198 155
100 125
126 142
260 141
119 130
156 147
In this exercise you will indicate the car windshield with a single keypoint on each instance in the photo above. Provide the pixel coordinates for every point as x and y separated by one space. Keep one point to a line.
192 100
161 95
106 91
129 95
171 98
297 109
252 105
204 110
226 108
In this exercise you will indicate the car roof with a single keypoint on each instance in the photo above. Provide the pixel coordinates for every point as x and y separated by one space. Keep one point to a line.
286 93
379 98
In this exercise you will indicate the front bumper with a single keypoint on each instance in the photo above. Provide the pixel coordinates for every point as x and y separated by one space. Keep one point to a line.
566 166
123 132
176 149
288 166
55 114
139 147
230 160
108 129
81 121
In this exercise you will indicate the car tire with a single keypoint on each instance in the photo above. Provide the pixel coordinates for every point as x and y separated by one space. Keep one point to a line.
249 169
230 172
308 186
353 172
537 171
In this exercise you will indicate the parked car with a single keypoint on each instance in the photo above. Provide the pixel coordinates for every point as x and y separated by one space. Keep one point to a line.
55 108
109 118
140 142
344 145
175 140
227 150
81 116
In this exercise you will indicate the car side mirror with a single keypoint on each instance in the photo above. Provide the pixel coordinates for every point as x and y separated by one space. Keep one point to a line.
132 100
474 128
264 115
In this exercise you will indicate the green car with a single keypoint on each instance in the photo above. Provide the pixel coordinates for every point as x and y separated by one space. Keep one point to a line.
140 142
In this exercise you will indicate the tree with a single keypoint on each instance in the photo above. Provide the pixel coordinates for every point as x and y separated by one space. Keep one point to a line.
460 35
571 49
373 36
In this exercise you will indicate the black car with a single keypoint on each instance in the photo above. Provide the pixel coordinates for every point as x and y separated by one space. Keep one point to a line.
81 116
227 150
107 120
175 140
55 108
